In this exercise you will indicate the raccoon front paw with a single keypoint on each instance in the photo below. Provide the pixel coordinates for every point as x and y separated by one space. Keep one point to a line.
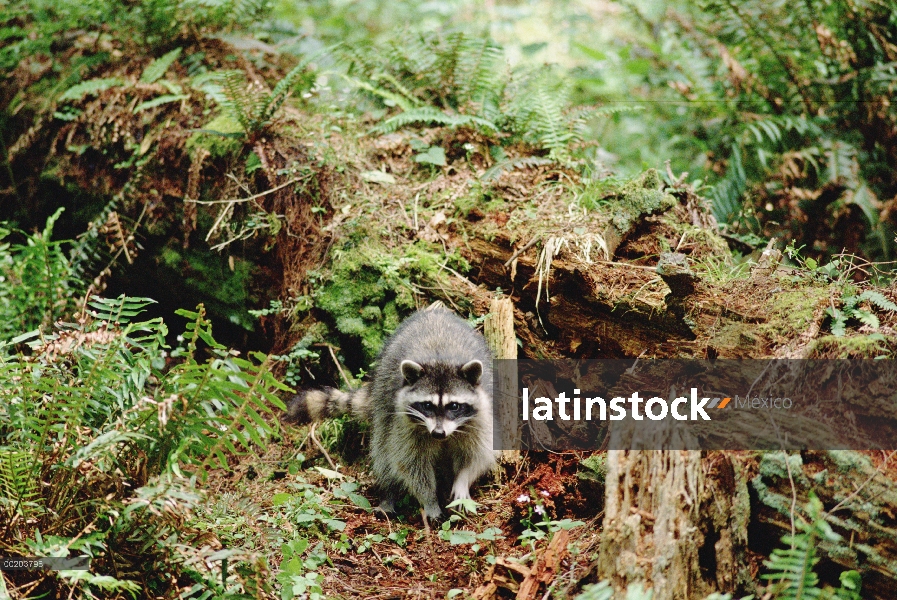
460 492
387 507
434 513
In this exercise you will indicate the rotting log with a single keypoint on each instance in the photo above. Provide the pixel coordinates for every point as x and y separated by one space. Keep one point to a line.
860 503
684 522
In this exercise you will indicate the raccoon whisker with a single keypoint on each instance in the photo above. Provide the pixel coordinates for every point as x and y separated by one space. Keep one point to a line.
410 412
464 421
463 430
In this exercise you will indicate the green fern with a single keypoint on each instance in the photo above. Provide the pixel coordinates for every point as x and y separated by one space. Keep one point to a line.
791 568
427 115
253 106
156 69
91 87
727 194
92 411
459 80
38 284
852 309
540 114
19 491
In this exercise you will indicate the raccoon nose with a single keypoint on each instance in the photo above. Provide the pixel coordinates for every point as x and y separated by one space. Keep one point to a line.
439 434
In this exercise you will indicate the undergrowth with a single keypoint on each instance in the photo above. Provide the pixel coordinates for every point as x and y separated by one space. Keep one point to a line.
106 434
459 80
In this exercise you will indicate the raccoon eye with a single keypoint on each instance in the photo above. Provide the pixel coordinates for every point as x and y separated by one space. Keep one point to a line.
428 406
453 406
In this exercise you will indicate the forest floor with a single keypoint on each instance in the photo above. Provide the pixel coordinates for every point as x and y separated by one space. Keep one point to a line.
357 232
490 554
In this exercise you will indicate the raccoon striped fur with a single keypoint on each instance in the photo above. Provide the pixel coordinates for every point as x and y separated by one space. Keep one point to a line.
429 402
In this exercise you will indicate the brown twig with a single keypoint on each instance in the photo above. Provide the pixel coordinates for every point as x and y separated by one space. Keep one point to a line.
339 366
311 434
521 251
878 470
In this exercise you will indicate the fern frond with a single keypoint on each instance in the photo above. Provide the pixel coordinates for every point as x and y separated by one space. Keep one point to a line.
156 69
726 195
281 92
609 110
402 101
877 299
867 318
119 310
91 87
539 114
19 491
427 115
495 171
477 75
238 102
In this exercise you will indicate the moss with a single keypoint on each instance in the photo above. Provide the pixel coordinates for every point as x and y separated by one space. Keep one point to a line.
772 466
734 335
793 309
371 288
857 346
643 195
772 470
228 143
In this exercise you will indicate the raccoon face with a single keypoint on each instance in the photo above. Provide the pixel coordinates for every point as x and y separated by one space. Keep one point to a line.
440 397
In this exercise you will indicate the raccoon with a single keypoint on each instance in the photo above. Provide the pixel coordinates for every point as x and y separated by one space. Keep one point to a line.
430 406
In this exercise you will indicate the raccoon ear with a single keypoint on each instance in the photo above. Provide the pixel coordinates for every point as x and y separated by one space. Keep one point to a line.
472 372
411 371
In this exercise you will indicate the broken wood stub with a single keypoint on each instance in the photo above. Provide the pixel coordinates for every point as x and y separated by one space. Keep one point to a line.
499 331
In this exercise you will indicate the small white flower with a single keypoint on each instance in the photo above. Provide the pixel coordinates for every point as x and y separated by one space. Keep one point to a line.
523 498
539 510
545 493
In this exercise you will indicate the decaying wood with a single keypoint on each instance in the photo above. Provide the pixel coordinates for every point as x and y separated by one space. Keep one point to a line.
546 567
524 582
861 506
674 521
499 331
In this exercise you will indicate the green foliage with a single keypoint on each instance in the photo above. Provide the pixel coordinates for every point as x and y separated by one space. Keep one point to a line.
91 87
252 105
100 434
457 537
297 574
461 80
38 283
153 22
427 115
791 568
156 69
794 84
299 356
852 307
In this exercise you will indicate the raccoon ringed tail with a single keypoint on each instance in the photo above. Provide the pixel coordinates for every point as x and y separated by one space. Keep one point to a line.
316 405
